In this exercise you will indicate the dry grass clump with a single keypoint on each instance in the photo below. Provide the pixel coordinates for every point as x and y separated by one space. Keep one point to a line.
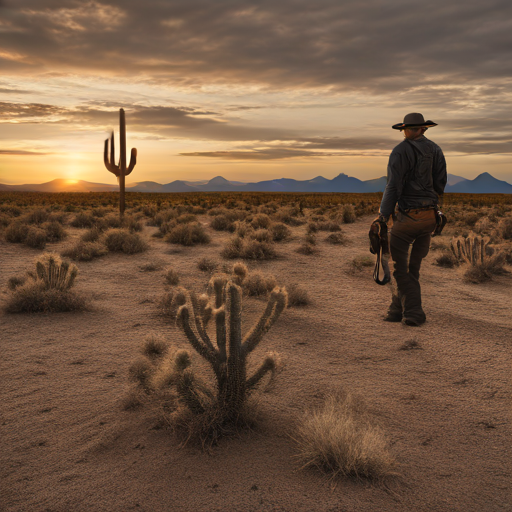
297 295
279 232
348 214
360 262
170 301
16 232
291 215
47 289
260 221
207 265
340 439
15 282
34 235
36 238
121 240
308 245
250 249
172 277
446 260
152 266
54 231
257 284
504 228
482 272
336 239
83 220
222 223
85 251
37 216
187 234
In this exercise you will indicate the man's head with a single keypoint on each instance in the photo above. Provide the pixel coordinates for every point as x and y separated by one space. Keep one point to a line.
414 132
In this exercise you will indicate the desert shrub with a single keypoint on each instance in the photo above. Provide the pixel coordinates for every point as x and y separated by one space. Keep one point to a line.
99 212
36 238
54 231
132 224
208 412
505 228
188 234
154 346
307 249
172 277
15 281
257 284
120 240
91 235
329 226
310 238
446 260
348 214
261 235
360 262
248 249
340 439
221 223
170 301
469 219
260 221
84 251
83 220
16 232
206 265
5 220
297 295
37 216
291 216
150 267
279 232
112 220
312 227
48 289
483 271
336 239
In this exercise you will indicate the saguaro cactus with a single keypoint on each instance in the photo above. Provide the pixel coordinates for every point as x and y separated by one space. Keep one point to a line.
120 170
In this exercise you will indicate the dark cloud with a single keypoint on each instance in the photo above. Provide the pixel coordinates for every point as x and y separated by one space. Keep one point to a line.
259 154
373 45
20 152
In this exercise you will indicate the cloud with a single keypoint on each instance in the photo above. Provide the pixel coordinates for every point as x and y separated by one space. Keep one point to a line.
20 152
290 44
258 154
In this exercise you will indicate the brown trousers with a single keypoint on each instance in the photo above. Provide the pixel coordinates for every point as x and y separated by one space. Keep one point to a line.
414 229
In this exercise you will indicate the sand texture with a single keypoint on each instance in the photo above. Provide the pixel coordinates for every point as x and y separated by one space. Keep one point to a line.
68 445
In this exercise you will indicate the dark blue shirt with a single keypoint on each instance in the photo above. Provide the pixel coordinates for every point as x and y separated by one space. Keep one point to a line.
404 185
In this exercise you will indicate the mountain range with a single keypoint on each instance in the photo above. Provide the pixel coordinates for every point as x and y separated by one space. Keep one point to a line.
482 184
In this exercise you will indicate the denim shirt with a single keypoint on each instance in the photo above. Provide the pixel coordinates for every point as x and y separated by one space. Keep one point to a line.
400 186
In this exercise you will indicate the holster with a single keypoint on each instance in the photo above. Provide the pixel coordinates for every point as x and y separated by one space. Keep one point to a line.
441 221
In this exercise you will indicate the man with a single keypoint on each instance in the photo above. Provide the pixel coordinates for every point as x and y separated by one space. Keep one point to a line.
416 181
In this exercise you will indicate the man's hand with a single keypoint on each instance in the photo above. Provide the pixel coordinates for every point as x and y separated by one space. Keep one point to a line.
382 218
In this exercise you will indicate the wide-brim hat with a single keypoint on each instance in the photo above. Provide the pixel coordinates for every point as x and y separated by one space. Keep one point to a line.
414 120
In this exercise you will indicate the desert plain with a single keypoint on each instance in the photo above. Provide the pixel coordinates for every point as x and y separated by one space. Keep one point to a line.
441 392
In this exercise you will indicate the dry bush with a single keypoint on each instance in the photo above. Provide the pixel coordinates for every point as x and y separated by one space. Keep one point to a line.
348 214
54 231
132 224
446 260
248 249
279 232
307 249
262 235
505 228
328 226
482 272
121 240
187 234
222 223
16 232
83 220
312 228
360 262
150 267
15 282
207 265
340 439
291 215
336 239
170 301
257 284
260 221
84 251
92 235
37 216
297 295
36 238
172 277
48 289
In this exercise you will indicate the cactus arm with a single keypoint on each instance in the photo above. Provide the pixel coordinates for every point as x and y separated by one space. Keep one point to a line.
183 321
133 161
108 164
234 307
199 323
275 306
220 322
268 365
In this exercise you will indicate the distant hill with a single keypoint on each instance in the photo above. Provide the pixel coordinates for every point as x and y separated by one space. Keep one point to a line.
483 184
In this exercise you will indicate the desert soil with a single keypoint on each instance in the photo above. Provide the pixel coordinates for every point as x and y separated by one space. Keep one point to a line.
67 444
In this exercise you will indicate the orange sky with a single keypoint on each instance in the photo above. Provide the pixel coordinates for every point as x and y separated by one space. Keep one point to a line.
250 91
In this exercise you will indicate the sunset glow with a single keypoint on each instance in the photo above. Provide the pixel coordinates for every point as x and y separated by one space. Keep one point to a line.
266 91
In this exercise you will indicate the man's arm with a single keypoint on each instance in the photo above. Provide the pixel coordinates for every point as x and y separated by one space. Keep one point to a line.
439 174
394 185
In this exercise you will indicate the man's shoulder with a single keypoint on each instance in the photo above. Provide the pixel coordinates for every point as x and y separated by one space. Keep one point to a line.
431 143
400 148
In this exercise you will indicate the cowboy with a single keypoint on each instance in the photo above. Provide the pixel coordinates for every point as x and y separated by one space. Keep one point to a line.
416 181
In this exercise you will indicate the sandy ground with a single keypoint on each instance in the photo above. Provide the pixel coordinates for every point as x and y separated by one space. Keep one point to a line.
67 444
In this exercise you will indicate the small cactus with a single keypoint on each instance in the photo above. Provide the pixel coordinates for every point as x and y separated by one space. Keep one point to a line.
55 273
227 355
120 170
471 249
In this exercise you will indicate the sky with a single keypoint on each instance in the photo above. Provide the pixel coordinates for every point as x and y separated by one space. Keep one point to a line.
251 90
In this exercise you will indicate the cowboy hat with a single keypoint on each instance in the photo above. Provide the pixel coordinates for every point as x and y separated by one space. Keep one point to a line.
413 120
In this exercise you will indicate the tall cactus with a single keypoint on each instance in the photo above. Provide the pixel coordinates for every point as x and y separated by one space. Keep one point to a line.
472 249
120 170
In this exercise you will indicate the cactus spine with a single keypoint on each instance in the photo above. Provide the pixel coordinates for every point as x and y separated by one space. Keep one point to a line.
120 170
228 356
